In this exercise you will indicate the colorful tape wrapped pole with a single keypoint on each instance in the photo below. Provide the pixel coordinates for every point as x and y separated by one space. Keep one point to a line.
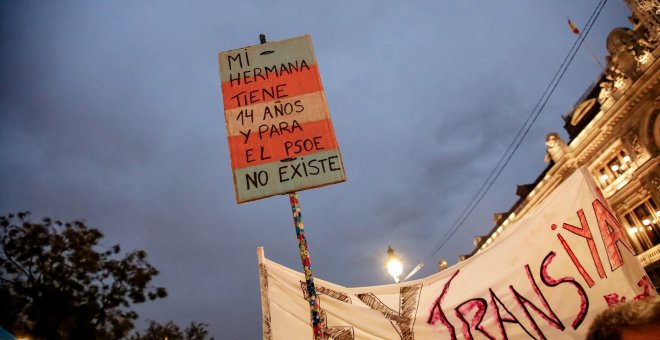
314 305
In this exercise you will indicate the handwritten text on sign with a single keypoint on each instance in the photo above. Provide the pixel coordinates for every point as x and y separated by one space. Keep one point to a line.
280 134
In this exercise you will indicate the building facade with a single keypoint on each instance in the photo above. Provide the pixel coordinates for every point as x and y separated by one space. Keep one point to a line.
614 130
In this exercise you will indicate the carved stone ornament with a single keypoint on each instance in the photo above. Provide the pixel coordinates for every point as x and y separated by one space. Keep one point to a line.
651 185
605 91
636 145
556 147
622 61
655 184
646 13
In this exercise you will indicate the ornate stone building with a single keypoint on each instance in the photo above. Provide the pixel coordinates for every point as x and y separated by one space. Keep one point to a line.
614 130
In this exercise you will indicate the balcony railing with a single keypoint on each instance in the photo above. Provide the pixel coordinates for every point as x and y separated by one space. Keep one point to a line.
650 256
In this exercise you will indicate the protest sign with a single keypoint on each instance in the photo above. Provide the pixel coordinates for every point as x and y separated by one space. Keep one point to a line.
281 138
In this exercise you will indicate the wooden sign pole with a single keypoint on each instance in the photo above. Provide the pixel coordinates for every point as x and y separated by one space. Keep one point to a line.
314 305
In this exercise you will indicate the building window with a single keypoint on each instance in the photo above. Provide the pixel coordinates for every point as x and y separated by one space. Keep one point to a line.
643 224
613 168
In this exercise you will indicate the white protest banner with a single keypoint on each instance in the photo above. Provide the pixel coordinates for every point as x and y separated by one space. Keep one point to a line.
281 138
546 277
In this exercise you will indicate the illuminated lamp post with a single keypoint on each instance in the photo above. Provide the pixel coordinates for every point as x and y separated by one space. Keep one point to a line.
442 265
394 265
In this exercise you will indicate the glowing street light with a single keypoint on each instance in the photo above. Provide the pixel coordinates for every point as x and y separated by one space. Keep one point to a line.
394 265
442 265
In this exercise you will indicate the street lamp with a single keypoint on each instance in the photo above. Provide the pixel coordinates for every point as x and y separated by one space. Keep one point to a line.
442 265
394 265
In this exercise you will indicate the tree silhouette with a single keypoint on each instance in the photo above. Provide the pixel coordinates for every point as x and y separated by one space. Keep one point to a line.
170 331
56 282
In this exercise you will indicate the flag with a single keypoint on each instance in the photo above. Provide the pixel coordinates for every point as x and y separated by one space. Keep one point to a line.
573 27
546 276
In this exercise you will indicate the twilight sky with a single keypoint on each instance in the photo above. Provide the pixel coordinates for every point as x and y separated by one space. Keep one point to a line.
111 112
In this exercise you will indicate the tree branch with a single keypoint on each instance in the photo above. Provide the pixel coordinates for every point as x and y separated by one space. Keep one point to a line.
16 264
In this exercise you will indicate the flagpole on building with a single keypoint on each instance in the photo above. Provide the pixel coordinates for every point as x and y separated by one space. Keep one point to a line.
593 55
586 43
314 305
